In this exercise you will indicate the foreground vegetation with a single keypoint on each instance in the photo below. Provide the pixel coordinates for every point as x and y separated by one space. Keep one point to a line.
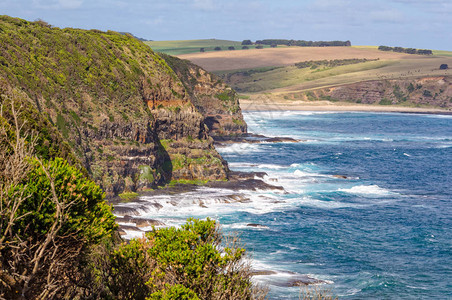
78 106
58 236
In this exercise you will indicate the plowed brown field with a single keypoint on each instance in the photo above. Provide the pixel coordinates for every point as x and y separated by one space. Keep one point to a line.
256 58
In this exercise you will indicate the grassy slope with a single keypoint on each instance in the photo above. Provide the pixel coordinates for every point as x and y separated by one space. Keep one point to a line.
272 70
292 76
291 79
109 95
190 46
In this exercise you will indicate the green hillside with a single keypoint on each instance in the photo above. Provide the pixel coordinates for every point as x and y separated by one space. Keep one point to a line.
85 114
112 99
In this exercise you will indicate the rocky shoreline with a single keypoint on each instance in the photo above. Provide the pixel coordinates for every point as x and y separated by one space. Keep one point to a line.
129 217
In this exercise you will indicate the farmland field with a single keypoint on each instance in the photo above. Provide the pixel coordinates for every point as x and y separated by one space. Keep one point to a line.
282 56
193 46
273 70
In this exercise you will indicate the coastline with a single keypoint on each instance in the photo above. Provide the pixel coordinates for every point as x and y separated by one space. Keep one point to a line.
281 105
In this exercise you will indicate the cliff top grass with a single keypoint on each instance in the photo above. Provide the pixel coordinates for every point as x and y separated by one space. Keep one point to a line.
79 78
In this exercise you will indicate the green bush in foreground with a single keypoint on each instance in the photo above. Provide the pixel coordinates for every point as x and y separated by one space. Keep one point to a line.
50 214
191 262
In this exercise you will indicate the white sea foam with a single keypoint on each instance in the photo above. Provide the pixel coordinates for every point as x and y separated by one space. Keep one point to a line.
213 202
308 201
241 165
132 234
240 148
245 226
271 166
372 190
253 115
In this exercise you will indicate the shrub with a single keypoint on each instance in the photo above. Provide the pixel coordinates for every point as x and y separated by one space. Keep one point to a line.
443 67
385 101
191 262
194 258
427 93
231 48
217 49
49 214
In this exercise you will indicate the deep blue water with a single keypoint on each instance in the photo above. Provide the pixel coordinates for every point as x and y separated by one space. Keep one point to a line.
383 233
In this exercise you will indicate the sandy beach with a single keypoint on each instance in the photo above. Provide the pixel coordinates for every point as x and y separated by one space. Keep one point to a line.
281 105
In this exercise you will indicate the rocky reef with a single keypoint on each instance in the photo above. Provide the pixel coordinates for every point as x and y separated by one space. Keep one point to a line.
123 111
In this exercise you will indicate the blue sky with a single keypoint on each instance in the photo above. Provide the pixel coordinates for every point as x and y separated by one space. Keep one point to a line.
406 23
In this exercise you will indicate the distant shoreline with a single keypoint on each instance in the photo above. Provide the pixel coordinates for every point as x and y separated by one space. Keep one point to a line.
253 105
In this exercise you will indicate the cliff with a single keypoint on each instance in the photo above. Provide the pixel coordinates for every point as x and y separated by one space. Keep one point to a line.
122 110
425 91
216 101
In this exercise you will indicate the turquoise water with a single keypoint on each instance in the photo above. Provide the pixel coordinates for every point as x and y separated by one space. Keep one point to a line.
383 232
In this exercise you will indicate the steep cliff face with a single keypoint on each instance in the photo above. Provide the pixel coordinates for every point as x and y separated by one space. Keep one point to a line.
216 101
427 91
113 100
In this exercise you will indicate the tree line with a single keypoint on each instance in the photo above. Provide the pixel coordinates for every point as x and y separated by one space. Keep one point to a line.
300 43
406 50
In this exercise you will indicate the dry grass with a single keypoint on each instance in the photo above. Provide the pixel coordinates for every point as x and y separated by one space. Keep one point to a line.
396 69
284 56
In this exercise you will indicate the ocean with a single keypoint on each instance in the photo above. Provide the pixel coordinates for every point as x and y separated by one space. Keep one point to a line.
366 206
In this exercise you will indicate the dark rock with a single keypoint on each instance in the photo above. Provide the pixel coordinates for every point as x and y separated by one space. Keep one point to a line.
147 222
252 139
129 227
247 184
303 280
257 226
235 175
262 272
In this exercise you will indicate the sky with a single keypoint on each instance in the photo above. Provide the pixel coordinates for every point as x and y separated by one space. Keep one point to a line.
425 24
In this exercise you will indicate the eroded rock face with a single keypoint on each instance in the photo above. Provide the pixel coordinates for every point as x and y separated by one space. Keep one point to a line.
429 91
217 102
124 112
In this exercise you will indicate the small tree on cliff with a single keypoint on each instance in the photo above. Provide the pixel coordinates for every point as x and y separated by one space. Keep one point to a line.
49 214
